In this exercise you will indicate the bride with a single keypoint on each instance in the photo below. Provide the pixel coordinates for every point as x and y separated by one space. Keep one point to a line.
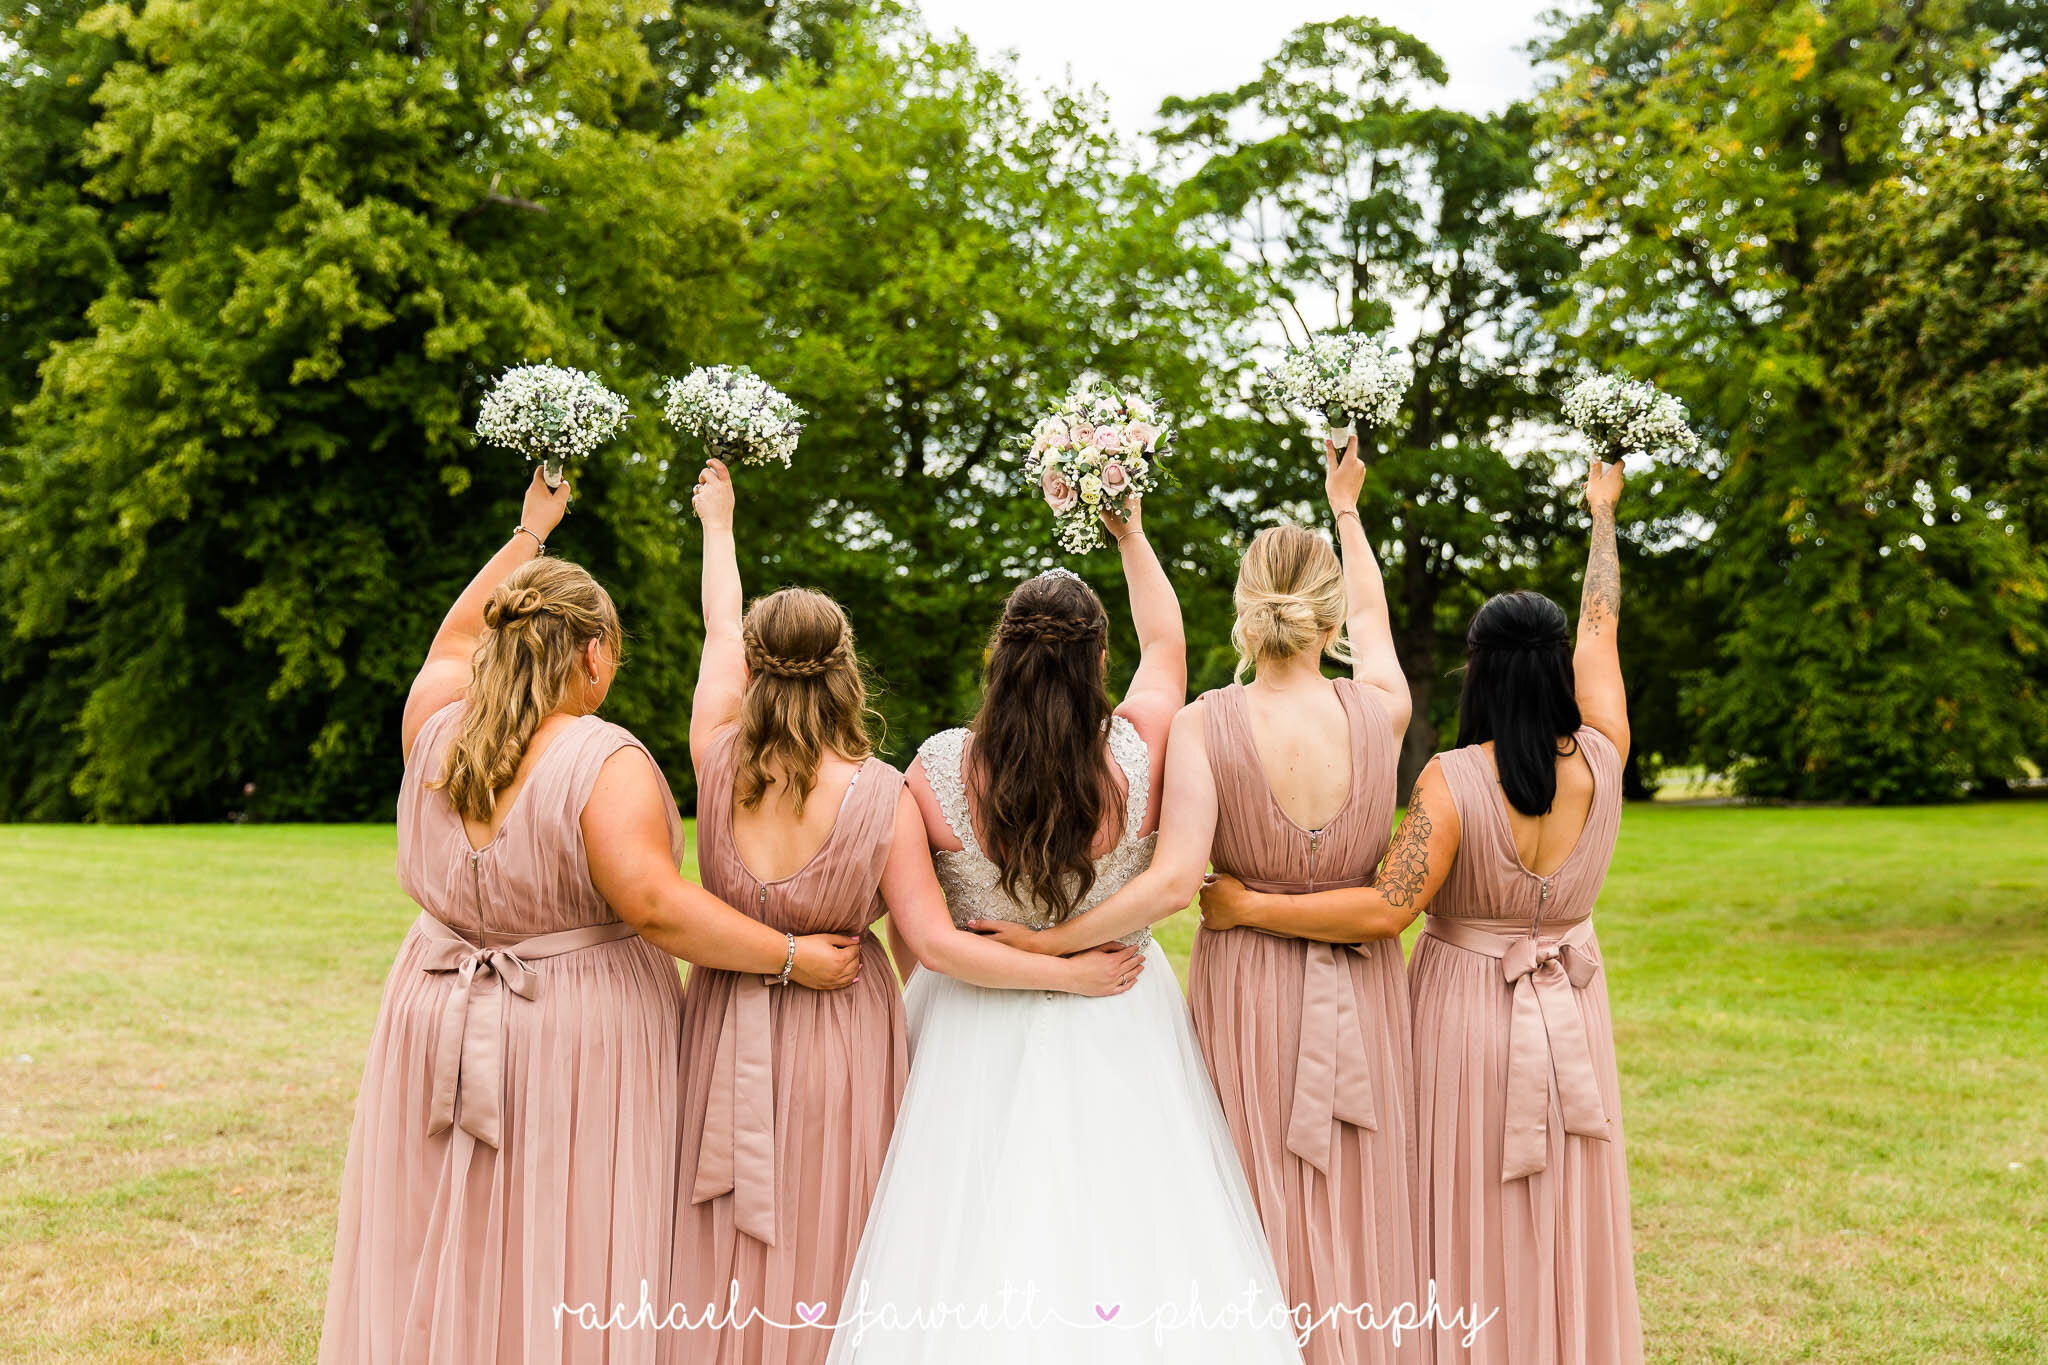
1061 1184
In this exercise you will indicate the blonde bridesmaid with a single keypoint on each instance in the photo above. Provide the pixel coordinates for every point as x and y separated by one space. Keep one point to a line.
790 1095
1524 1182
515 1136
1288 783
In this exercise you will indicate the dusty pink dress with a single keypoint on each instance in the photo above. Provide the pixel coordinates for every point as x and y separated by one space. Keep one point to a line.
514 1138
789 1095
1308 1043
1524 1185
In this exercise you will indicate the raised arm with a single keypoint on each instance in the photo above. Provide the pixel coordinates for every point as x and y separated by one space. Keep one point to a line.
633 865
1367 624
919 920
1596 662
1187 828
444 676
1160 685
722 668
1415 866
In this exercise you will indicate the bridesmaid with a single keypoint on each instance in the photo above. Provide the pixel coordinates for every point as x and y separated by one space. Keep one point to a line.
789 1096
1307 1042
1524 1183
518 1106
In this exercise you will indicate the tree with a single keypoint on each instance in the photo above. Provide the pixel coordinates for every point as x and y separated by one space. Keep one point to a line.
1707 152
1931 316
930 260
244 488
1349 206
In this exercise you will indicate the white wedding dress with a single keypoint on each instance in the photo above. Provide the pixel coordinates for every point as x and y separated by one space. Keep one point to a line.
1061 1186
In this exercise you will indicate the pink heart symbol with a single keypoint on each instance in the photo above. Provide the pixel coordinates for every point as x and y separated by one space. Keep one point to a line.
811 1312
1107 1313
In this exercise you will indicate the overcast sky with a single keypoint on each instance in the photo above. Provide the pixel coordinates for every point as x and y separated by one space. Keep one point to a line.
1139 51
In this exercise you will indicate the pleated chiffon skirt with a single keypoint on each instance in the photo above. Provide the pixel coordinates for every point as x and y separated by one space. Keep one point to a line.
1345 1239
451 1251
1549 1256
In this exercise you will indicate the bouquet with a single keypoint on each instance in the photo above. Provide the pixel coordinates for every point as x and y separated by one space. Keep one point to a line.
736 413
1102 445
1621 415
1354 381
550 414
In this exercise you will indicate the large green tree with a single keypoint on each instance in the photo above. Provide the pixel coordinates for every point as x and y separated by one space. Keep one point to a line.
275 250
932 257
1709 152
1353 208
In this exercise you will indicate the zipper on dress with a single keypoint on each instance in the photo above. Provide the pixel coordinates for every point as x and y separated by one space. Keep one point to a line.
1315 837
476 886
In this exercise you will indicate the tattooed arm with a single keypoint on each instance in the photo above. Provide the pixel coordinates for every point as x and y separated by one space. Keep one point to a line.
1596 663
1416 864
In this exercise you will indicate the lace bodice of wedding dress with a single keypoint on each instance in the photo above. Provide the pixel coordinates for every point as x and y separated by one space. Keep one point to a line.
972 883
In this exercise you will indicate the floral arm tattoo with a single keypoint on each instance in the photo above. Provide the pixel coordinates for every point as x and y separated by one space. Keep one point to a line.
1405 870
1600 604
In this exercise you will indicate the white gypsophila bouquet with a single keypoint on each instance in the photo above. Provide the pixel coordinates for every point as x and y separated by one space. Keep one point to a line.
736 413
1352 379
550 414
1621 415
1102 445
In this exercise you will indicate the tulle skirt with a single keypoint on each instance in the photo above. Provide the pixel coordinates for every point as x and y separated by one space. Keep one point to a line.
1061 1187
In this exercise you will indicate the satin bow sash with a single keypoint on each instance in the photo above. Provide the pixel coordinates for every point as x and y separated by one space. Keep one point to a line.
1332 1079
737 1155
1546 1035
469 1056
1332 1082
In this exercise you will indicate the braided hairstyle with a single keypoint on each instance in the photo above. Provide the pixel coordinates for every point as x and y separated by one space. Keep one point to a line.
1520 693
536 626
805 696
1040 772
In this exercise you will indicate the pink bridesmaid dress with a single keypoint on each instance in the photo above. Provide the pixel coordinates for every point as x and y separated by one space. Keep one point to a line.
1524 1184
789 1095
515 1135
1308 1044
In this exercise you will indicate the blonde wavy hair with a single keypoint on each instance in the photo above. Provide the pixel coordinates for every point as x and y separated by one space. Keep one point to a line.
1290 596
805 695
536 626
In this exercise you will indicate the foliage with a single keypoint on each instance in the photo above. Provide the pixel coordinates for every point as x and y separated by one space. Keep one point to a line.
244 489
1341 199
932 261
1707 152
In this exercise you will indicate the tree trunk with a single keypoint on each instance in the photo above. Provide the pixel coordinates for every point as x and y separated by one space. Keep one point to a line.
1417 645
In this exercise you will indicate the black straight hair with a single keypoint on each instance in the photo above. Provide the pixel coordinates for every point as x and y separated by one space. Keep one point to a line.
1520 693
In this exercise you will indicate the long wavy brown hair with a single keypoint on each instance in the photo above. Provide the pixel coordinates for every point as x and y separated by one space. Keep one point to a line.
805 696
536 626
1040 770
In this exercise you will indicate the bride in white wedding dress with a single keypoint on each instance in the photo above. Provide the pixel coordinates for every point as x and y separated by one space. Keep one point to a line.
1061 1186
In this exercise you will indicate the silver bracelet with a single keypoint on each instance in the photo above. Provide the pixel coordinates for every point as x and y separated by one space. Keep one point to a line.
787 963
538 543
1352 512
1134 531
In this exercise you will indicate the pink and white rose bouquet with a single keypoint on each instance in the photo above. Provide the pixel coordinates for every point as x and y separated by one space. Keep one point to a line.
1103 444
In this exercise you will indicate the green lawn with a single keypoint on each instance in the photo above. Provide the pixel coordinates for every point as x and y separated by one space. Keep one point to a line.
1834 1054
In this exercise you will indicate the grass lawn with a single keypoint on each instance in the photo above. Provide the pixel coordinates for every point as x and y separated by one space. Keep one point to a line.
1834 1055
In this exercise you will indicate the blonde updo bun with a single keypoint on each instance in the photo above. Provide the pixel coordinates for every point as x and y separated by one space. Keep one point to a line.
1290 598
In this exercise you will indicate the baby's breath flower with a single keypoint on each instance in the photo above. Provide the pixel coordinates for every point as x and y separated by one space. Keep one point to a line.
736 413
550 414
1621 415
